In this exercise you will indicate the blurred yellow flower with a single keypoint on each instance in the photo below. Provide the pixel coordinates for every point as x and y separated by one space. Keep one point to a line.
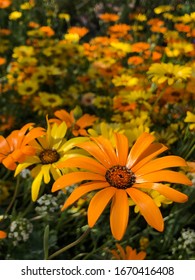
15 15
27 87
125 80
64 16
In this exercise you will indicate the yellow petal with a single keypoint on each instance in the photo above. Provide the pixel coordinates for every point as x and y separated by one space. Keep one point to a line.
147 208
98 204
82 190
45 171
36 186
27 163
119 214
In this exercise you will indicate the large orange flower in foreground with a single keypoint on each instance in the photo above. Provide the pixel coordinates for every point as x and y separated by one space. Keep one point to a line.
121 174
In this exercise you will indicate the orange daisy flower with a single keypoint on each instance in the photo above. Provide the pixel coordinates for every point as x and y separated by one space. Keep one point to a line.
121 174
3 234
109 17
15 146
77 126
5 3
81 31
128 254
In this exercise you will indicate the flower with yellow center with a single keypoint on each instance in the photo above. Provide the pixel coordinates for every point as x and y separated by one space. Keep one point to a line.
168 72
128 254
119 174
52 148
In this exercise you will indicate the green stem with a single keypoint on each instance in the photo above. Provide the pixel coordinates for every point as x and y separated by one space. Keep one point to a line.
14 196
70 245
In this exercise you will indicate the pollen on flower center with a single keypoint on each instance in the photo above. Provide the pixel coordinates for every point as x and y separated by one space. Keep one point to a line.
120 177
49 156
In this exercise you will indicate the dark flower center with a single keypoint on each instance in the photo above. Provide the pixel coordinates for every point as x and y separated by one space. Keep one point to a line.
49 156
120 177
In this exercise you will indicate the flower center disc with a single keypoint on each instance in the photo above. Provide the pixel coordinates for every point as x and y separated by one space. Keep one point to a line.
120 177
49 156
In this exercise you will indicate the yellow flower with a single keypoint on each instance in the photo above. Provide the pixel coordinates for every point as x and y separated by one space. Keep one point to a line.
27 87
161 9
64 16
72 37
141 17
125 80
125 47
51 149
15 15
26 6
175 49
168 72
191 119
23 51
50 99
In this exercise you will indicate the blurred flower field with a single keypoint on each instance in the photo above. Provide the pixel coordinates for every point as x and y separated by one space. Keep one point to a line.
97 130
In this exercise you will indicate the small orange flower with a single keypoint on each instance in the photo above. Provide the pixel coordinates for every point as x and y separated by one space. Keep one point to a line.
2 61
3 234
4 4
128 254
15 146
135 60
120 174
81 31
77 126
109 17
47 31
119 30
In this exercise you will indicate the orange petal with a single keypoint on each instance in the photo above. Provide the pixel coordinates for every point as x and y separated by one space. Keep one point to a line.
83 162
147 208
122 148
168 192
4 146
82 190
98 204
164 176
75 177
86 120
142 143
121 250
161 163
119 214
96 152
106 146
153 150
9 163
32 134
